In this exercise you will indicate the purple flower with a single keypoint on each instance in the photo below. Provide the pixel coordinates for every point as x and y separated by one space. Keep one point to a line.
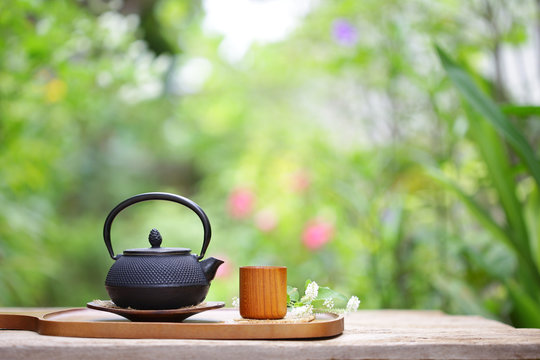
344 32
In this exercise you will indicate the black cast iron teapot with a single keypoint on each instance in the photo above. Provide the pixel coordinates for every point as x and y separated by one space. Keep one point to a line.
156 277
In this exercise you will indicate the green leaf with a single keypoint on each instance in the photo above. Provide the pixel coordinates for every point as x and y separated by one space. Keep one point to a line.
492 259
532 209
498 164
325 293
525 308
521 110
308 281
292 294
318 303
525 258
491 112
516 35
481 215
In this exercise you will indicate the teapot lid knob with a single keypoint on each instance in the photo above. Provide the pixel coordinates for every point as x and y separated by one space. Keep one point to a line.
155 238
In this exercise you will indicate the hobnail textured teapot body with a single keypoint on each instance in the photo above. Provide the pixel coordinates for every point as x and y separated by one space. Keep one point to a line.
159 278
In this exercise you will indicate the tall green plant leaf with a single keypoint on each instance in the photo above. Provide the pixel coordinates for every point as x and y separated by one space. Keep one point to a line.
525 307
481 215
531 213
487 107
527 294
528 271
521 110
494 155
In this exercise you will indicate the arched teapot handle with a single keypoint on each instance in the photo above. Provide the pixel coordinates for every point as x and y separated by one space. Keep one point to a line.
157 196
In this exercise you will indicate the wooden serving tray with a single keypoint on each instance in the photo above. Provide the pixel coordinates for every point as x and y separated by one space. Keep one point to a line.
215 324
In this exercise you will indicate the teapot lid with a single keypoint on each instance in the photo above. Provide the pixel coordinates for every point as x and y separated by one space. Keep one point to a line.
155 240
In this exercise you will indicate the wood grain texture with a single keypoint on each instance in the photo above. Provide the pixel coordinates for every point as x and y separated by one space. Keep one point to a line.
216 324
369 334
263 292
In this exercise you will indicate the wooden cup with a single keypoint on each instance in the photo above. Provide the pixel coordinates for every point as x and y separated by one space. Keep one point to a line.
263 292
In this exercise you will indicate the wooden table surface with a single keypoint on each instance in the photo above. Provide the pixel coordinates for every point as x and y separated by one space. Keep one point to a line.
380 334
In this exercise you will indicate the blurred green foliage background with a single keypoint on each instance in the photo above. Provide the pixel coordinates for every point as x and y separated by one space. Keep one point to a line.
330 137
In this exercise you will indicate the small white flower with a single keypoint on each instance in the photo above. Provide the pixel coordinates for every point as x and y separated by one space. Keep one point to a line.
352 304
328 303
302 311
235 302
312 290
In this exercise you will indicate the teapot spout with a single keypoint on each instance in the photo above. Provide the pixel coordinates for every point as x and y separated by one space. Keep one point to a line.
210 266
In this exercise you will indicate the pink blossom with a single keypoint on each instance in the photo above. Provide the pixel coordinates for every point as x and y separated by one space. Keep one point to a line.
316 233
240 203
266 220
